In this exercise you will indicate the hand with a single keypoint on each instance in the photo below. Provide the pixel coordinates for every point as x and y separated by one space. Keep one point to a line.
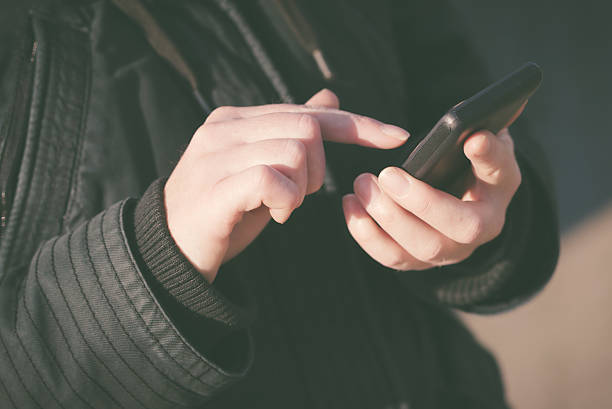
246 165
405 224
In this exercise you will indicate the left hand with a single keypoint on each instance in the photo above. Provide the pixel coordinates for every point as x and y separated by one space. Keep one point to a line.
406 224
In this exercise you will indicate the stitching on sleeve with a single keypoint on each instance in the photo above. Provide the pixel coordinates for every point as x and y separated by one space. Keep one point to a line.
52 354
16 372
95 271
36 370
208 367
164 375
62 330
8 395
69 248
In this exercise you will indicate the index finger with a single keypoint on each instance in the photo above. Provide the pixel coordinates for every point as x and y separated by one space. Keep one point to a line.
336 125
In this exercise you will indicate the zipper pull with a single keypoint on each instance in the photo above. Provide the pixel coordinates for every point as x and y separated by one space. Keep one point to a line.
322 64
304 34
34 48
3 208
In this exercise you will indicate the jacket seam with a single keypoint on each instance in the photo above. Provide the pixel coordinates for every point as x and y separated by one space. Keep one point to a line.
75 176
7 245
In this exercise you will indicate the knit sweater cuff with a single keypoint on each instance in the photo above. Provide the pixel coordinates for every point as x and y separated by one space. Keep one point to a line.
226 302
483 278
506 271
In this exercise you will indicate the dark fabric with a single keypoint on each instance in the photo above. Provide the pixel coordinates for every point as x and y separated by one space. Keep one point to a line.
83 330
93 291
172 270
198 307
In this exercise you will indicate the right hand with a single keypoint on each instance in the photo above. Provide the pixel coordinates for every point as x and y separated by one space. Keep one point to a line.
245 165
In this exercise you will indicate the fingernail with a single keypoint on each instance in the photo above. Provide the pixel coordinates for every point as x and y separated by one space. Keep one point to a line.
394 181
365 188
394 132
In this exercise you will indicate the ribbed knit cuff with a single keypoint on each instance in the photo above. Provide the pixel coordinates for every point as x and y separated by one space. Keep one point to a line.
484 277
506 271
161 256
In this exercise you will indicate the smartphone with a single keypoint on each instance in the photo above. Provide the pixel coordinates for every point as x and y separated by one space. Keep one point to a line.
439 159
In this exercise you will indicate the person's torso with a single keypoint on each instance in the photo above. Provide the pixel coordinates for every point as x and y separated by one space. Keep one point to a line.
107 115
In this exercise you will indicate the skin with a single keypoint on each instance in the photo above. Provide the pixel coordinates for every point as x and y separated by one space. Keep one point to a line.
247 165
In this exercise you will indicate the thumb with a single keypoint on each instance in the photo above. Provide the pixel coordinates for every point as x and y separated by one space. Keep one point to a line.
324 98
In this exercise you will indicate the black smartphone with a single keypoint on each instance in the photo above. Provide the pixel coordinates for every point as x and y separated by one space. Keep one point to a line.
439 159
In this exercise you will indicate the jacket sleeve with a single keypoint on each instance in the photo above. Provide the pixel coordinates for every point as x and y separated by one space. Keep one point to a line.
440 69
81 326
85 321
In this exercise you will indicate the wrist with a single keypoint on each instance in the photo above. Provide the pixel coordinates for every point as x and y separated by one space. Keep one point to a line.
161 259
186 237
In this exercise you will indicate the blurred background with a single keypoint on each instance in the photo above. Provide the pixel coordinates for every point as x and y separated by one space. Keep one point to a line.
556 351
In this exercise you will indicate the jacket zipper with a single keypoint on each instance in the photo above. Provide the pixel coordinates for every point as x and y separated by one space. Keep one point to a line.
16 134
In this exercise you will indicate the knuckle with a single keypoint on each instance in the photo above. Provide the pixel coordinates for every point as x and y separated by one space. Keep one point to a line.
221 113
263 176
204 131
297 197
316 167
431 250
309 126
422 205
360 229
462 254
473 229
207 135
296 151
381 213
296 200
395 260
266 179
494 173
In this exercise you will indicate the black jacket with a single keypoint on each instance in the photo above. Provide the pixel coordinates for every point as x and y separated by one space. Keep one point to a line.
99 309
